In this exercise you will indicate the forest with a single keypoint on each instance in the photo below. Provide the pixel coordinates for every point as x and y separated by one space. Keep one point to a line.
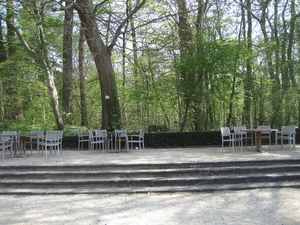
162 65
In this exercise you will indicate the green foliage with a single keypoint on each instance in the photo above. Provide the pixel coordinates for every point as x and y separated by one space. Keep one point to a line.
157 86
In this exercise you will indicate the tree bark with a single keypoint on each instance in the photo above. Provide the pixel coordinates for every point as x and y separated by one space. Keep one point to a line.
83 102
102 57
248 78
185 37
67 96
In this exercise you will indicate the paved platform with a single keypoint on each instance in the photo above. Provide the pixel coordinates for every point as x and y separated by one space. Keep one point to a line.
150 155
255 207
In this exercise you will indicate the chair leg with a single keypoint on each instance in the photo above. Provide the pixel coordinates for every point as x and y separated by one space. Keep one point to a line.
294 142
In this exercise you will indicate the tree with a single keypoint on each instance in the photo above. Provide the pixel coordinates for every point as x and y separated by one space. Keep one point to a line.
67 103
40 54
83 101
102 57
13 106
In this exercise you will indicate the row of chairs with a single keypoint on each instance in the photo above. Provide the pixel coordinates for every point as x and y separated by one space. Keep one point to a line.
102 139
287 133
52 140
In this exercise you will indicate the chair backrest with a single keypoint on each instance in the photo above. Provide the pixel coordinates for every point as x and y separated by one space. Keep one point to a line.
9 132
142 133
79 132
225 130
101 132
285 130
38 133
91 134
123 132
238 129
53 135
263 127
80 135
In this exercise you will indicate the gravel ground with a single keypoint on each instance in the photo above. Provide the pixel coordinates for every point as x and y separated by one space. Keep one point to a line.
255 207
264 206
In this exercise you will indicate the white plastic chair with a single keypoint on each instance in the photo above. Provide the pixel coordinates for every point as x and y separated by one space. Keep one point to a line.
52 140
16 140
81 139
287 133
265 135
139 139
34 139
242 135
227 136
121 135
4 145
102 135
95 141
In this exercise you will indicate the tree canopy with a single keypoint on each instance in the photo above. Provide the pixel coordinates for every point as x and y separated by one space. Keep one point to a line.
179 65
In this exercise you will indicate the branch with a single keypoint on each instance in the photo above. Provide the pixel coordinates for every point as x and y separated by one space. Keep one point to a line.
31 52
118 31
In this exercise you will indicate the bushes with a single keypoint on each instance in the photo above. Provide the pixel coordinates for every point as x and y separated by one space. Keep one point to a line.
168 140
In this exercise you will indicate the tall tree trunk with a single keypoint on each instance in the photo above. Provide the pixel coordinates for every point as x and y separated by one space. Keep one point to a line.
67 105
269 52
185 36
248 79
134 46
83 102
102 58
198 101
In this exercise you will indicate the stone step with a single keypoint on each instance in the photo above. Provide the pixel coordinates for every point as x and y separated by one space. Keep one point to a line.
129 172
149 190
136 178
146 181
153 166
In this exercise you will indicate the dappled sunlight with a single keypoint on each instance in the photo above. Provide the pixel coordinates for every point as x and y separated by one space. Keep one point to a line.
149 156
263 206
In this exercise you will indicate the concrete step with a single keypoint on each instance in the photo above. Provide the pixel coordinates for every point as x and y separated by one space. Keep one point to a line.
46 173
136 178
160 189
152 166
71 182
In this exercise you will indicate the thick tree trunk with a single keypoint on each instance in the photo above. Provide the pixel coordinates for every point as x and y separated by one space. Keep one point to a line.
248 78
102 58
67 105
